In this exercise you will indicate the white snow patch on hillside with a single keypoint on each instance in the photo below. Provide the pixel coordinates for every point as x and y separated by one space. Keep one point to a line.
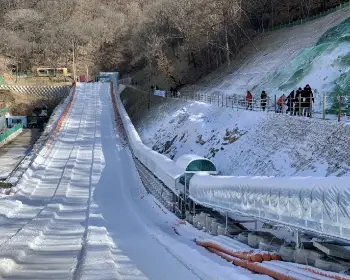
243 142
266 55
82 212
259 143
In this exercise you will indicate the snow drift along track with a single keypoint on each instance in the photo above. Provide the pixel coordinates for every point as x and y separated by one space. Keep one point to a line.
80 215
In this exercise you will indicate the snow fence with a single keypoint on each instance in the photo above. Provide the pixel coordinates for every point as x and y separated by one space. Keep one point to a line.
318 205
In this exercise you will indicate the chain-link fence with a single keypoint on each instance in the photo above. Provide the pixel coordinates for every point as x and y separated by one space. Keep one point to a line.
314 17
320 106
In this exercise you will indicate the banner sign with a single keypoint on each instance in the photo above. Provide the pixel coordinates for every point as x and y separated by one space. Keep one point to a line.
161 93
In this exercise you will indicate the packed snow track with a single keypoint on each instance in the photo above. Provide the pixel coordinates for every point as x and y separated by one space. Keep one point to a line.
83 213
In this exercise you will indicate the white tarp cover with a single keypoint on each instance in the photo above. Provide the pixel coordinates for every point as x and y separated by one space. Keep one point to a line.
164 168
320 205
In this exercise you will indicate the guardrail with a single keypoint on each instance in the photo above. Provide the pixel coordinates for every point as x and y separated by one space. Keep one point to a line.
324 107
314 17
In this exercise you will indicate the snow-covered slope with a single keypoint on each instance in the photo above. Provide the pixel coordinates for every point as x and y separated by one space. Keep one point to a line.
258 143
83 213
243 142
315 53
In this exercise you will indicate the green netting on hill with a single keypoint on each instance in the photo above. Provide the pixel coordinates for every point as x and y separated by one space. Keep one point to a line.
325 66
339 33
4 111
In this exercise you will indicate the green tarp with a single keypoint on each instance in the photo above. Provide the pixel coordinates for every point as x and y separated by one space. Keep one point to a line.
9 132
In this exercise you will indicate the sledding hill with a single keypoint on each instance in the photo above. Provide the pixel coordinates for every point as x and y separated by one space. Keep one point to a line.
256 143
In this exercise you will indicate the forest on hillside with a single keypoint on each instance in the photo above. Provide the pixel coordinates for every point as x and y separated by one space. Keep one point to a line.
139 34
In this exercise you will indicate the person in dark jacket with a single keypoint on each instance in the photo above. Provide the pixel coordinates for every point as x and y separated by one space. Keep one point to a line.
290 102
308 99
172 95
263 100
298 101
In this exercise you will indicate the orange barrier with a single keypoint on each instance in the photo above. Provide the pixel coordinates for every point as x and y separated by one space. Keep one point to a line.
260 263
60 121
279 274
249 256
309 271
329 275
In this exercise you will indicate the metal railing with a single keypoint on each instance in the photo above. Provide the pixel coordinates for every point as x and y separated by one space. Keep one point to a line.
321 106
314 17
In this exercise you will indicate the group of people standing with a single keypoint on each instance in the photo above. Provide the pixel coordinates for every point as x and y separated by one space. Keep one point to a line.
297 102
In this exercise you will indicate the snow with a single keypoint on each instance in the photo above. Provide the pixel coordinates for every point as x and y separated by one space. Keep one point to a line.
29 162
283 60
241 142
81 211
259 143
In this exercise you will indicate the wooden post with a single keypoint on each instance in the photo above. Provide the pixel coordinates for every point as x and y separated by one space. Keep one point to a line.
87 73
339 108
149 80
324 106
74 70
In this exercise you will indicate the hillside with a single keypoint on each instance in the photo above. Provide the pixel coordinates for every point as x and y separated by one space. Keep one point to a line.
139 35
315 53
256 143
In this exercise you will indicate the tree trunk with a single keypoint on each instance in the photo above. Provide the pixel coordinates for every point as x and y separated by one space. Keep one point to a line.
227 47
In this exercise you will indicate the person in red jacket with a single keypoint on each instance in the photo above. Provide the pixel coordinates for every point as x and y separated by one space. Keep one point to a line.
280 103
249 100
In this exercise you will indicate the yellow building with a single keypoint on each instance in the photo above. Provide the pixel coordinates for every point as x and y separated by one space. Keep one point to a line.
51 72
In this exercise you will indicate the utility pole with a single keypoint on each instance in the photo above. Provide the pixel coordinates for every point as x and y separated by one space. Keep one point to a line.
17 71
74 72
87 73
149 79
